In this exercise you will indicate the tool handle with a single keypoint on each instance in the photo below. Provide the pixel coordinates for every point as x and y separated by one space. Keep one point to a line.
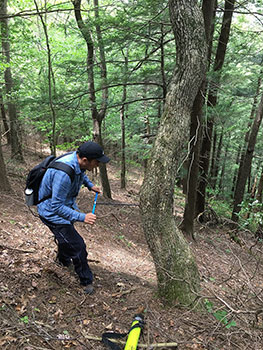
95 202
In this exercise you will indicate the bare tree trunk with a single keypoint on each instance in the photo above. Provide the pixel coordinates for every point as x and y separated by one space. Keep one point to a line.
212 101
122 118
187 225
254 187
53 140
6 132
213 156
4 183
220 185
16 147
190 183
236 171
97 115
123 154
162 63
217 156
239 173
246 168
177 273
260 187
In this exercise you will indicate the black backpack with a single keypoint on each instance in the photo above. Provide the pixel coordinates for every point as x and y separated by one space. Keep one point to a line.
35 177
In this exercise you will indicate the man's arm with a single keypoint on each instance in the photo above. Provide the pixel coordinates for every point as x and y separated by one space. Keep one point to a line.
90 185
60 196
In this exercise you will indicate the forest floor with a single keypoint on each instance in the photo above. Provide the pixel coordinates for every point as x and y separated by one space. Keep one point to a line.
43 307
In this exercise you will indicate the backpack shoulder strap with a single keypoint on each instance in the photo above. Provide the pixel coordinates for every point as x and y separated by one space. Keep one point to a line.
59 166
64 167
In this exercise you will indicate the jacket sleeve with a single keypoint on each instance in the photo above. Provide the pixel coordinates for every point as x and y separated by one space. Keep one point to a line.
87 182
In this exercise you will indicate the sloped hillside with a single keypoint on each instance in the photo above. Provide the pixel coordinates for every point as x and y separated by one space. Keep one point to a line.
43 306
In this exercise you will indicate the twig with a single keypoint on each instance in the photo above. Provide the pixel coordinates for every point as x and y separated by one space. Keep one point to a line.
237 312
140 345
120 294
16 249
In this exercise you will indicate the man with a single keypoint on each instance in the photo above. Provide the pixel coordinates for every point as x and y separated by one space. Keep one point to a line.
60 211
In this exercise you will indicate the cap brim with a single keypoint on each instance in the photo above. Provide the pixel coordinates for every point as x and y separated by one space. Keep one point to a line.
103 159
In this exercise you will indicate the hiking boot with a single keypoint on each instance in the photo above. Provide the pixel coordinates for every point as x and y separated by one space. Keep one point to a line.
88 289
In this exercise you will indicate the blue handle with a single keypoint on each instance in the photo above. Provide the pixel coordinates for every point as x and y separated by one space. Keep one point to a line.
95 202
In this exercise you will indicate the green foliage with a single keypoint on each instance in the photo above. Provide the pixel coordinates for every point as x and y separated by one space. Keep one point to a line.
222 207
24 319
251 214
125 26
132 29
220 315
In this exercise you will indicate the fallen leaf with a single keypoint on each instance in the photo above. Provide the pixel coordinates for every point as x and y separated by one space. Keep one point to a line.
109 326
58 314
53 300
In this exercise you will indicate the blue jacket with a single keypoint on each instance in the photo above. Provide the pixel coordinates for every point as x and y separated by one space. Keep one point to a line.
61 208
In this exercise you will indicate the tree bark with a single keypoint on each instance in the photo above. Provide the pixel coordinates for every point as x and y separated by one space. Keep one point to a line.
4 120
162 63
16 147
212 101
191 181
217 156
220 185
260 187
238 159
246 168
4 183
177 273
97 115
53 139
122 119
239 172
213 153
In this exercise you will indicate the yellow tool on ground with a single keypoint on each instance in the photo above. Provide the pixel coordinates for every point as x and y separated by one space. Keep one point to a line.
134 333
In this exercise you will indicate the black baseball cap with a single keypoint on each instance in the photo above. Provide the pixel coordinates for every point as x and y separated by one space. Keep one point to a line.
92 150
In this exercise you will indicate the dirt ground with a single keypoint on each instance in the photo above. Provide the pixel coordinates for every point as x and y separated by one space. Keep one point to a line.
43 307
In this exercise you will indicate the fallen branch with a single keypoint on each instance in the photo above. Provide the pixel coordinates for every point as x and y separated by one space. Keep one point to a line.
140 345
237 312
16 249
121 293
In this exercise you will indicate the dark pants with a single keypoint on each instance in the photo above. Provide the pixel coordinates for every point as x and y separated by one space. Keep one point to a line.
71 248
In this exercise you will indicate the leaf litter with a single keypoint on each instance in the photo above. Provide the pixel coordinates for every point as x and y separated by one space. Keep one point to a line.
43 307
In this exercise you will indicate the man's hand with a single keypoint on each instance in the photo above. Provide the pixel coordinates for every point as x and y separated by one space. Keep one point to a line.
95 189
90 218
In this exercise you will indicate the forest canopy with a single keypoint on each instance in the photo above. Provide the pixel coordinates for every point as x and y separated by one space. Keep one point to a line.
106 74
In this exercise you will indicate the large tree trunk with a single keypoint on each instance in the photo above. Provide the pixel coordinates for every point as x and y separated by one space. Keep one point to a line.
97 115
246 167
177 273
212 101
16 147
